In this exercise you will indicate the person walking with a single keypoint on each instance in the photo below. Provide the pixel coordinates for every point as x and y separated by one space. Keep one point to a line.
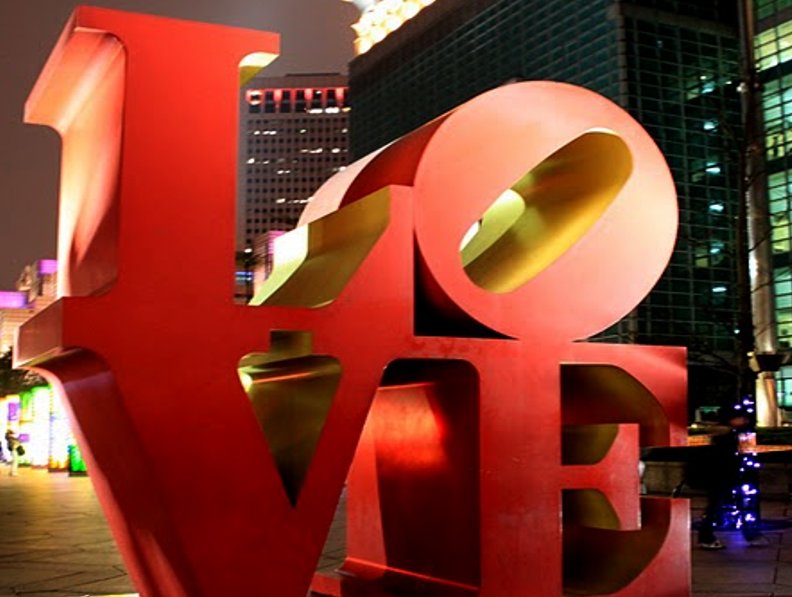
723 479
14 447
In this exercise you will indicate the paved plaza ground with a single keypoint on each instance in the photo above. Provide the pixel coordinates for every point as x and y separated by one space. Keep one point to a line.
54 542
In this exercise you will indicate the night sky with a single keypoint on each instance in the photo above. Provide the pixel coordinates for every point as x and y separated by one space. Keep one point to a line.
315 37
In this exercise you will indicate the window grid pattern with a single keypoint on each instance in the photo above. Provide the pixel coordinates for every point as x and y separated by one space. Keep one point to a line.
509 40
287 158
293 135
773 46
769 8
682 86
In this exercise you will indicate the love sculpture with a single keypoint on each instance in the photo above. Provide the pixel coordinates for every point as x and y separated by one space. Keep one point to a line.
435 372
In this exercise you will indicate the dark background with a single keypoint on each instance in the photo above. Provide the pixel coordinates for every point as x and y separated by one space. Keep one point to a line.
315 37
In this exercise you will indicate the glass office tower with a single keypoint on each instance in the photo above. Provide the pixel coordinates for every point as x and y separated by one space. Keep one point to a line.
673 64
773 48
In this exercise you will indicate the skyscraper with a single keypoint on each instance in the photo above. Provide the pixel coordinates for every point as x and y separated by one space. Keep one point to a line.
673 64
773 50
293 137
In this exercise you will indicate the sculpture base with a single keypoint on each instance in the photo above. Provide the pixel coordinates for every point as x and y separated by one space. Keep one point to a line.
364 579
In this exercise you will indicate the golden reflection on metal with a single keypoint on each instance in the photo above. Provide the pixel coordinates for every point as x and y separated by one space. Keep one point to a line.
586 444
314 262
252 64
600 556
545 212
601 561
589 508
291 391
616 396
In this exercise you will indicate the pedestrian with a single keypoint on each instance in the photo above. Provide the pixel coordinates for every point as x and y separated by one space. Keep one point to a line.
724 478
15 449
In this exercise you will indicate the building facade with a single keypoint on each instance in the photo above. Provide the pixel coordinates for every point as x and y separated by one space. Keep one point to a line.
35 290
673 64
35 412
294 132
773 52
293 137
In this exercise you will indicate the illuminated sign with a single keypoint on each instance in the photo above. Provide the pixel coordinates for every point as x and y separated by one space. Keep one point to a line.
60 435
13 299
38 427
47 266
486 448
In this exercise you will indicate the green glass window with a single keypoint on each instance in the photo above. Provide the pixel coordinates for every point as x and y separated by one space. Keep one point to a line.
774 46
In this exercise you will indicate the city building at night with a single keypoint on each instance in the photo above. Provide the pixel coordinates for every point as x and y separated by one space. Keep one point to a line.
35 414
773 51
673 64
293 133
35 290
293 137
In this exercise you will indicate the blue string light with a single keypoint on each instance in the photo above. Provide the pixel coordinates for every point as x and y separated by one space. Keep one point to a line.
744 509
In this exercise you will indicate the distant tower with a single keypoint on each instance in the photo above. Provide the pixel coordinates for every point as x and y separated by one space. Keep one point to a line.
293 137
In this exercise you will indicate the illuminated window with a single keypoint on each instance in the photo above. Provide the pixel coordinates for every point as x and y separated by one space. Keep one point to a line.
316 101
269 102
285 105
709 254
782 286
700 85
779 192
299 102
767 8
254 99
774 46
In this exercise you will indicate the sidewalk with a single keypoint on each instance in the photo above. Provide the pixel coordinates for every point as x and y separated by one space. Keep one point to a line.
745 571
54 542
53 538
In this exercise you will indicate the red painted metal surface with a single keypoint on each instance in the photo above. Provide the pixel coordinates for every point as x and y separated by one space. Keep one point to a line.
469 461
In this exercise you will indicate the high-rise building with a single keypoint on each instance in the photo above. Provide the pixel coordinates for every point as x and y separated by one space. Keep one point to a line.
673 64
293 137
773 51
